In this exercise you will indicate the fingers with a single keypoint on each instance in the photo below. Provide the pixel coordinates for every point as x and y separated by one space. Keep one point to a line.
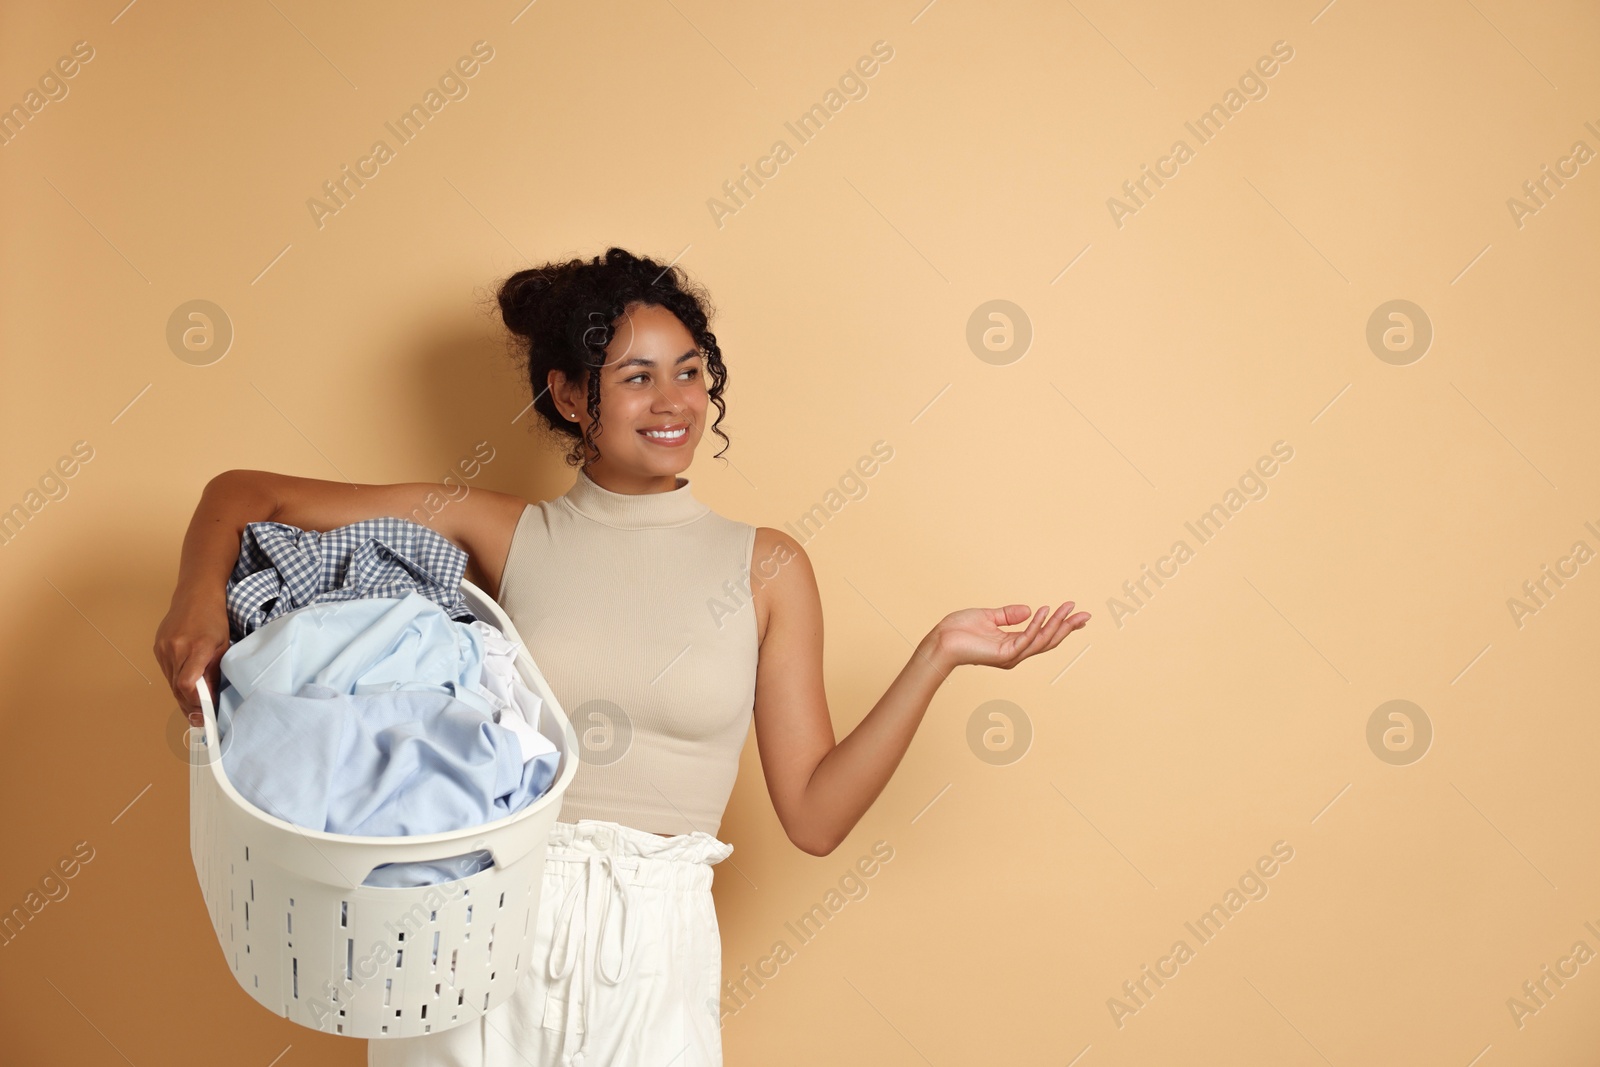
213 684
1069 623
1049 633
183 684
1010 615
1064 624
1022 641
1035 626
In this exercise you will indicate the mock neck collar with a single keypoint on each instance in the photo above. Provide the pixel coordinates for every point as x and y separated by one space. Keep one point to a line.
634 511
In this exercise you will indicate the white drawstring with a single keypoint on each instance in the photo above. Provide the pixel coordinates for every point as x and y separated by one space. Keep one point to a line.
563 925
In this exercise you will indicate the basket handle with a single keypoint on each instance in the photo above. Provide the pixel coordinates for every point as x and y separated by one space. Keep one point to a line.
208 712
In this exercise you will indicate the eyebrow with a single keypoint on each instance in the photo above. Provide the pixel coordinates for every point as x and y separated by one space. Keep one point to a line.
641 361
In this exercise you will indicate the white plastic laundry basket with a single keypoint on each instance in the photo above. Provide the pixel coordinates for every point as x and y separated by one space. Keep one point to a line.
305 938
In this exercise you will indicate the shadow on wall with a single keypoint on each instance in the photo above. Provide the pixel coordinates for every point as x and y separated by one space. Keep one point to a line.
469 389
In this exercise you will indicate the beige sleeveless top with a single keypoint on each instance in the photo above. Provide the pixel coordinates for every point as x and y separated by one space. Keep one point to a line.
636 608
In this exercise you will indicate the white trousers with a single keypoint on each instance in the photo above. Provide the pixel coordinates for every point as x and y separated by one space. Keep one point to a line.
626 968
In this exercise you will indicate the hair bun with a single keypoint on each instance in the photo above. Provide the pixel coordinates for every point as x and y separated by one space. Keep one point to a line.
521 297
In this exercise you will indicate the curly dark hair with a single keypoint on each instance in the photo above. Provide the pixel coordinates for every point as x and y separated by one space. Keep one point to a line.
566 313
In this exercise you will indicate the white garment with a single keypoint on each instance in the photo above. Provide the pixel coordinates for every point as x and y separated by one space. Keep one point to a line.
516 706
626 968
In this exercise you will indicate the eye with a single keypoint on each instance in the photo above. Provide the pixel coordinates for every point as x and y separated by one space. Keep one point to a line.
693 372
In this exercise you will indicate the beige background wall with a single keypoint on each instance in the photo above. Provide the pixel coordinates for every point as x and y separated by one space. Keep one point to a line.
1151 761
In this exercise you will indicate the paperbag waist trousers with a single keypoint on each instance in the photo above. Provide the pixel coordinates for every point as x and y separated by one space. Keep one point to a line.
626 968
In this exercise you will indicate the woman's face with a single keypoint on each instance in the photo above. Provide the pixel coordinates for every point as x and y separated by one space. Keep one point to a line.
653 380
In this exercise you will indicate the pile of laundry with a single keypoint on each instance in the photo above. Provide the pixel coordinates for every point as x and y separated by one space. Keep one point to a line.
361 696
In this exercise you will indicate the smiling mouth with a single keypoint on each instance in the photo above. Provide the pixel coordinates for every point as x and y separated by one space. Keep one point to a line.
666 436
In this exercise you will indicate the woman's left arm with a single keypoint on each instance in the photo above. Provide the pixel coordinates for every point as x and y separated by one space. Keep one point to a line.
821 788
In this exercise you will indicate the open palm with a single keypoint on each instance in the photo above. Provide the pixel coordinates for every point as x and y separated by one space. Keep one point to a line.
974 635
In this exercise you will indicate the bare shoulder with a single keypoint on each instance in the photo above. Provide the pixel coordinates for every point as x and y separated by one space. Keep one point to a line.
502 506
483 523
776 544
781 577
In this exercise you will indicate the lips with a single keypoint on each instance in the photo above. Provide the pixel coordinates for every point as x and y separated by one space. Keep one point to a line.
671 434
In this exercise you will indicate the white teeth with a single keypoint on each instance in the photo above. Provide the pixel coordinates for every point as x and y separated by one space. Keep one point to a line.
665 436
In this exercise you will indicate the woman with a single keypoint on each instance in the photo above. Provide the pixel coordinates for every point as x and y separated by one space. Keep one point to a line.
663 629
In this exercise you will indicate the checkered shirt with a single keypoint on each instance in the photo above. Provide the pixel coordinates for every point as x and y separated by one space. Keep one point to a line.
282 568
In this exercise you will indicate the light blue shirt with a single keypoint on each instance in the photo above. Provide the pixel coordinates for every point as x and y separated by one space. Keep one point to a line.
374 645
364 717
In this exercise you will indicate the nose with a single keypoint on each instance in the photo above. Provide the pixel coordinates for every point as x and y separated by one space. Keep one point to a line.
671 400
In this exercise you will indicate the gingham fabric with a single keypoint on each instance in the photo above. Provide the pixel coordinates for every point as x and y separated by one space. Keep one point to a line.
282 568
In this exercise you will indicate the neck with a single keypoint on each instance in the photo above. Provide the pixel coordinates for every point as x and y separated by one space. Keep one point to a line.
656 507
635 484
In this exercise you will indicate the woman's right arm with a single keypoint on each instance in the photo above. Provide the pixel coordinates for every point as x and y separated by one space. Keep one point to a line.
192 638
